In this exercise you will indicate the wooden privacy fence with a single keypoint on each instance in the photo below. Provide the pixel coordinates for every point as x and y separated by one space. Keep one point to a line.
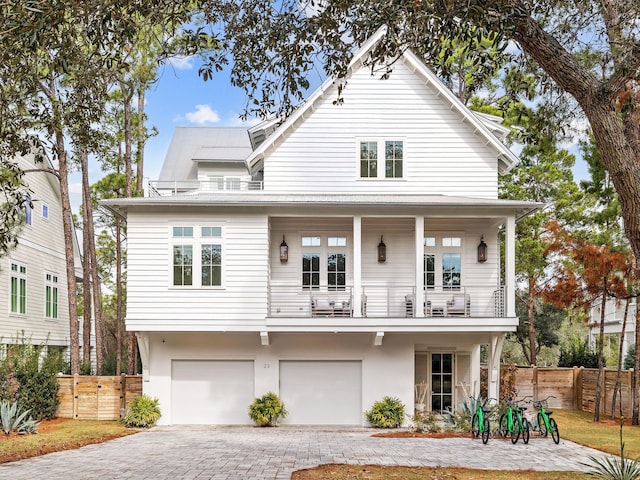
86 397
574 388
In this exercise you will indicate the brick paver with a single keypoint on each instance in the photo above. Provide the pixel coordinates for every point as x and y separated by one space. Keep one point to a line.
229 453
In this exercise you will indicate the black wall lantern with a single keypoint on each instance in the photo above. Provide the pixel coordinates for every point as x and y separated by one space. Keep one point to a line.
284 251
482 251
382 251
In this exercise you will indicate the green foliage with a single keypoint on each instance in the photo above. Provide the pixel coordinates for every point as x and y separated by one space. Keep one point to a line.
24 380
15 196
15 420
577 354
460 419
267 410
630 357
386 413
144 412
425 422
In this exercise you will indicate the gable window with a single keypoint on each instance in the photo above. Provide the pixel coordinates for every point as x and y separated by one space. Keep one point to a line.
51 296
45 210
393 159
443 262
18 293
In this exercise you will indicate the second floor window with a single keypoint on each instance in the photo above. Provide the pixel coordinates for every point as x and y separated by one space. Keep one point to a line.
311 270
370 167
442 262
45 210
28 211
211 265
182 265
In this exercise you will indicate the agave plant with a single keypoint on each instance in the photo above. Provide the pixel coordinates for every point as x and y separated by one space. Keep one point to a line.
13 420
615 468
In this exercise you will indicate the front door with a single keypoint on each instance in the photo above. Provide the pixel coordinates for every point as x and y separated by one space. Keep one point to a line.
441 381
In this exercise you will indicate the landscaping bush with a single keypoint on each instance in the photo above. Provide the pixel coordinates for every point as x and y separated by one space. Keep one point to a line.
630 357
425 422
144 412
267 410
29 382
386 413
578 355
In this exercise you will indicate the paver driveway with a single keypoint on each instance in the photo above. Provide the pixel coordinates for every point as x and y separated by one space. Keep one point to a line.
214 452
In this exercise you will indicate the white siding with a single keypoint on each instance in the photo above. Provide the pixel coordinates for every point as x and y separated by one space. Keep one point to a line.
152 300
41 250
442 154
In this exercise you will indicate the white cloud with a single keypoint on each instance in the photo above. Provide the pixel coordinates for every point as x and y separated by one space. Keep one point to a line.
203 114
235 121
181 62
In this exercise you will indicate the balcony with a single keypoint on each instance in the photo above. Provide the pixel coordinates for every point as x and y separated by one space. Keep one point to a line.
378 301
165 188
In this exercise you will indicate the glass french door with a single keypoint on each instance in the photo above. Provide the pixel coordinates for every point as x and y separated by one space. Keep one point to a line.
441 381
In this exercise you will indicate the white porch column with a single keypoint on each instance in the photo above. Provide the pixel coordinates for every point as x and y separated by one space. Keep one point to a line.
495 352
475 371
357 266
419 282
510 266
143 348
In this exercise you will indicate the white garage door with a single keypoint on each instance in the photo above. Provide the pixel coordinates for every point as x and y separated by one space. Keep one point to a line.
211 392
322 392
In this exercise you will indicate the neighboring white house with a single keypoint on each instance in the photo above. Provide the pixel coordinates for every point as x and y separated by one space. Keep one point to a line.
613 318
33 281
333 259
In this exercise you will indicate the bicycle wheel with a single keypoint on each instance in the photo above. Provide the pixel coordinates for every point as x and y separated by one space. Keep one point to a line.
503 427
542 426
475 426
526 430
486 431
554 430
515 433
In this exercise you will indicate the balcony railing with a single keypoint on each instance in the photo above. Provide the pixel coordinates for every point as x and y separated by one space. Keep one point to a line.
161 188
378 301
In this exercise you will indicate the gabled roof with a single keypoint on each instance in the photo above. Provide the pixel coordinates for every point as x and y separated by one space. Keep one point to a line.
478 123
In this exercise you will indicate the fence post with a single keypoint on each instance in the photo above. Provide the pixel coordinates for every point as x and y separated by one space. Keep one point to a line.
534 381
76 380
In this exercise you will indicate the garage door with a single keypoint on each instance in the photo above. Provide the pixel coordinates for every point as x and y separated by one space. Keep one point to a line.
322 392
211 392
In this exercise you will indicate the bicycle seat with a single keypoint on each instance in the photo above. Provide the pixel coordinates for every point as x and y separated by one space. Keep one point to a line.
523 409
486 410
548 412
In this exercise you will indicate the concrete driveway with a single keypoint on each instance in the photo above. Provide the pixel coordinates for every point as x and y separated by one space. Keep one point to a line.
214 452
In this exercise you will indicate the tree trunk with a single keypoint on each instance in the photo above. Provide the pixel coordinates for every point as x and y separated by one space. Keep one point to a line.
74 340
596 415
86 264
531 325
616 387
635 393
140 143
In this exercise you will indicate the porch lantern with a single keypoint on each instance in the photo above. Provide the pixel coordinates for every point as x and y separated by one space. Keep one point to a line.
482 251
382 251
284 251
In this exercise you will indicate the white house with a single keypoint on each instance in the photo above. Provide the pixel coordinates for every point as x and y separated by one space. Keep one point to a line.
613 319
33 281
333 259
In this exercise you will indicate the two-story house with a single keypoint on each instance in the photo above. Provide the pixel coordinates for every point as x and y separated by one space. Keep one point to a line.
33 281
347 254
613 322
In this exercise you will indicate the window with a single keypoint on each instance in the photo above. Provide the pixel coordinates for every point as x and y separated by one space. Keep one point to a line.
336 271
393 159
28 211
183 265
368 159
45 210
310 270
183 231
443 262
310 241
211 265
51 296
18 289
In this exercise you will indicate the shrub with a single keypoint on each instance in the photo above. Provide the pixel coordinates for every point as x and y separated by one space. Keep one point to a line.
267 410
630 357
460 420
425 422
144 412
578 355
386 413
13 420
27 380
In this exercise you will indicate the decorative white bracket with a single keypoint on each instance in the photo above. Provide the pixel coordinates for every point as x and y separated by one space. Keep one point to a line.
143 348
264 338
377 341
